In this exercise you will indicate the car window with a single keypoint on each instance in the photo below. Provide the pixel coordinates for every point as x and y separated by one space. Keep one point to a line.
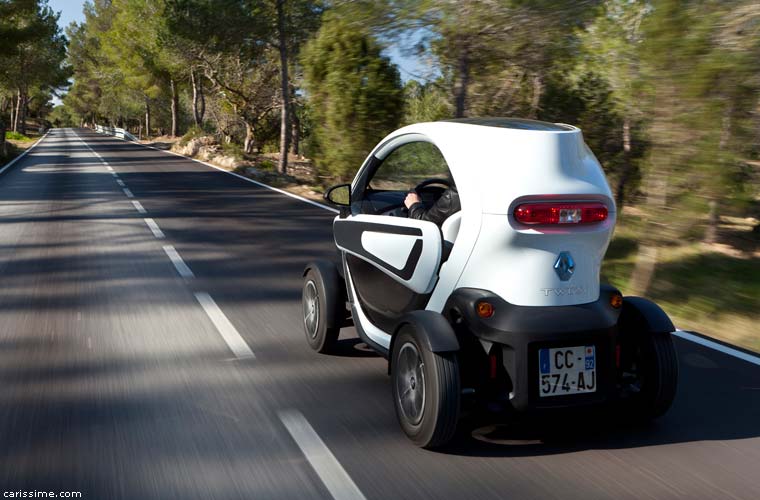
408 165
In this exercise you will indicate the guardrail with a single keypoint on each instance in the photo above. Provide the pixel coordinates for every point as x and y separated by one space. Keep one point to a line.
116 132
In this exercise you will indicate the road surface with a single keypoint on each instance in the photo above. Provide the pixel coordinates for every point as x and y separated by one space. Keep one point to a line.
151 346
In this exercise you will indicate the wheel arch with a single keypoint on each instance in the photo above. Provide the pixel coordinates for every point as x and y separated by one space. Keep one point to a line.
434 330
638 311
334 287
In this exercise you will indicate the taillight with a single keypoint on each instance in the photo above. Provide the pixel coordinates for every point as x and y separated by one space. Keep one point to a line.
560 213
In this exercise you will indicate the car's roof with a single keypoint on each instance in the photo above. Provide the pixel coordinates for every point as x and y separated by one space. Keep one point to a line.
513 123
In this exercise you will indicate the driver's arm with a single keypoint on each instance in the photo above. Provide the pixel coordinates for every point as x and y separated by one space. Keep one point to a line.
446 205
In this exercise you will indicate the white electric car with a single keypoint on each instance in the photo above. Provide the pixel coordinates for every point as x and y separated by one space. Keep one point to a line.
502 304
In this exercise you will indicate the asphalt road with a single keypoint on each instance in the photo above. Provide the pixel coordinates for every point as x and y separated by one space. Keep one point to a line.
166 359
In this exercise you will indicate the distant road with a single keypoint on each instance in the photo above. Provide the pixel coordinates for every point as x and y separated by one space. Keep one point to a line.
151 347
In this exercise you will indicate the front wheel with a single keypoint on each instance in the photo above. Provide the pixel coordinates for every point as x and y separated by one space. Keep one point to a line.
425 390
320 302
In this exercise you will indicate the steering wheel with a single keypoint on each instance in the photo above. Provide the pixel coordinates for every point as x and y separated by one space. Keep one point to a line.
429 182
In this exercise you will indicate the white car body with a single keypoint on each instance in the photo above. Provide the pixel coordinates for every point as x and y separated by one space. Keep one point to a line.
495 168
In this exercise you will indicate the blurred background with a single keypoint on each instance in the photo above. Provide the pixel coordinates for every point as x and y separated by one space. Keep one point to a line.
297 92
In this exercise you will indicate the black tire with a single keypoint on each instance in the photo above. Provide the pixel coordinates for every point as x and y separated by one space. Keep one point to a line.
429 419
657 375
321 302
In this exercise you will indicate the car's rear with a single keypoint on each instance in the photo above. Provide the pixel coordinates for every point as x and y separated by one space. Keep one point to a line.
530 291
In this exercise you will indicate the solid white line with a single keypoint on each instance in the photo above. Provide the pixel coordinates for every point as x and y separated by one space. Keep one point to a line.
115 174
333 475
128 193
120 183
154 228
749 358
179 264
139 207
108 167
226 329
26 152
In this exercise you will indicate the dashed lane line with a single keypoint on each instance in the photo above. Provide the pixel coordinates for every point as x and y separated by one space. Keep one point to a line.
138 206
330 472
128 193
179 264
226 329
154 228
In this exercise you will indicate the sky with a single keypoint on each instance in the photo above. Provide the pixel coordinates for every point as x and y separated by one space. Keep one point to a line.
410 67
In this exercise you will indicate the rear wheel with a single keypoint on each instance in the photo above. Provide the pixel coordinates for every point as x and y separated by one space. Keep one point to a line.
425 390
654 369
320 301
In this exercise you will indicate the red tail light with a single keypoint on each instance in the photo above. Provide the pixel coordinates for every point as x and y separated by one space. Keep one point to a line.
560 213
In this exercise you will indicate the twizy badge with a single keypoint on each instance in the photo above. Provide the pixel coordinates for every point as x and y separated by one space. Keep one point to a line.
564 266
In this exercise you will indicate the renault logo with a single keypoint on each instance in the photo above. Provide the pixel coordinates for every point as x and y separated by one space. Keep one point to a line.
564 266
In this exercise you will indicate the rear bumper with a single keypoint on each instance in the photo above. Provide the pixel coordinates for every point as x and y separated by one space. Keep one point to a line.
516 333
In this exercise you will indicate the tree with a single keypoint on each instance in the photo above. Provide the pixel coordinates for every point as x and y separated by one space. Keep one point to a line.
355 94
610 48
31 63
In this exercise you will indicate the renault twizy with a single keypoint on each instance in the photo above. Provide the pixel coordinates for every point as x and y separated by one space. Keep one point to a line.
500 304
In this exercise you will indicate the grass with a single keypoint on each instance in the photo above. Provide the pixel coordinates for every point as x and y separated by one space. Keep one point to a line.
701 288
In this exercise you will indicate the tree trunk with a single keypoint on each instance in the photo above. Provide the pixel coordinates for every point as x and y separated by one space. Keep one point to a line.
12 105
3 126
147 119
282 164
620 191
249 139
462 82
538 90
22 119
17 112
711 233
656 184
295 144
196 99
175 106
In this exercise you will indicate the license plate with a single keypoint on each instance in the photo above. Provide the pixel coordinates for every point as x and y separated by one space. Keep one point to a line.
567 370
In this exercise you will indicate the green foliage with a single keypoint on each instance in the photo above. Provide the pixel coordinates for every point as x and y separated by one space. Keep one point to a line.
15 136
425 103
354 94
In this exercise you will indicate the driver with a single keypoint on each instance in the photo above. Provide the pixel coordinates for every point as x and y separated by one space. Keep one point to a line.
448 204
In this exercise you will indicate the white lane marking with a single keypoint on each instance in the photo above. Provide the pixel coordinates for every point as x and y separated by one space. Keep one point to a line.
333 475
179 264
128 193
226 329
26 152
108 167
749 358
120 183
139 207
154 228
115 174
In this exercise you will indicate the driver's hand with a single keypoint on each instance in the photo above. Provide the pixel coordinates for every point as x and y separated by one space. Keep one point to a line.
411 199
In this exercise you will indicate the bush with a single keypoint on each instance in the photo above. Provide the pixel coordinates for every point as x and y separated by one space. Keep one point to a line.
192 133
233 150
15 136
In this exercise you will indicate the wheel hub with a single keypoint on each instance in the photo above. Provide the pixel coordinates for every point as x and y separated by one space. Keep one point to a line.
311 309
410 383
